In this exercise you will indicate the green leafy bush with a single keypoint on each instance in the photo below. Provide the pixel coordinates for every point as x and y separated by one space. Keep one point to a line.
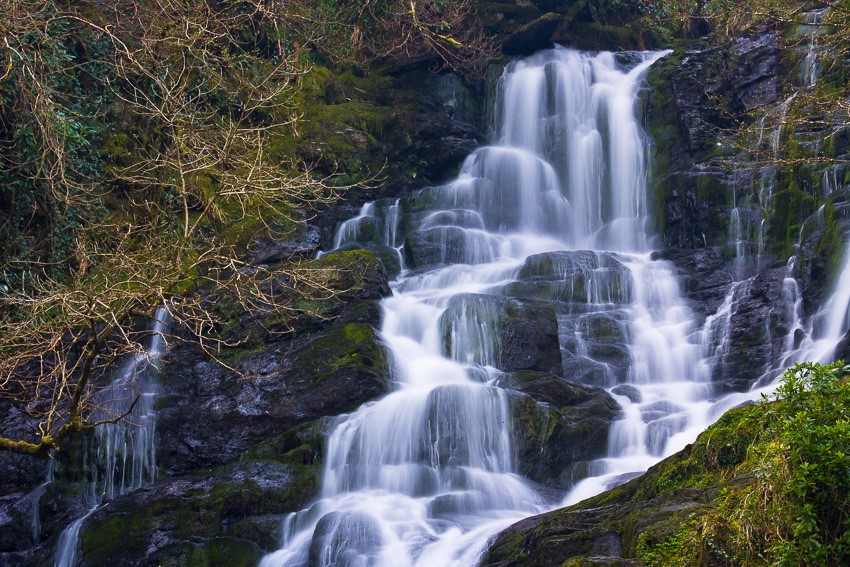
806 472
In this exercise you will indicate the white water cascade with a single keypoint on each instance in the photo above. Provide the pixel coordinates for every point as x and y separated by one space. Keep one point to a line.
556 206
124 458
827 326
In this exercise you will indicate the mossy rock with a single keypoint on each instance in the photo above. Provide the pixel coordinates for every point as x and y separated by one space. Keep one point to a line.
626 524
200 520
526 333
579 277
219 552
557 425
346 348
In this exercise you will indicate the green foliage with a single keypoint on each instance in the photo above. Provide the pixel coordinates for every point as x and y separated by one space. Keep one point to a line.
49 162
806 468
783 472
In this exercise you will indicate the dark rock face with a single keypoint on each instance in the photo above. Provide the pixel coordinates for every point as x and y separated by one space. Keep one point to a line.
526 333
520 28
842 351
695 96
716 84
557 424
268 250
332 372
757 328
532 36
704 276
754 325
20 493
20 472
228 518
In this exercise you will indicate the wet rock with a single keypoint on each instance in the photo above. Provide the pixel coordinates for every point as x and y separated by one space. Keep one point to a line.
328 373
696 95
658 410
606 529
842 350
345 540
704 277
20 473
585 370
629 391
268 250
447 245
557 424
581 277
757 329
532 36
596 347
276 380
756 79
388 257
526 333
230 516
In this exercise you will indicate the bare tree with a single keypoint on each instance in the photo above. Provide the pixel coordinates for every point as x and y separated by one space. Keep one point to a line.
365 30
207 83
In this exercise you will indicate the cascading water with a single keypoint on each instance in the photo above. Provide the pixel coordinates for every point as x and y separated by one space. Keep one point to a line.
826 328
125 454
557 206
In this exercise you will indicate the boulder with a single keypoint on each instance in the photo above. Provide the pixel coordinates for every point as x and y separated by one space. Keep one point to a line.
581 277
524 334
230 515
596 347
618 527
556 425
328 373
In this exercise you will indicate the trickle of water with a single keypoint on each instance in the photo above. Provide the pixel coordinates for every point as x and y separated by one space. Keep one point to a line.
816 341
125 453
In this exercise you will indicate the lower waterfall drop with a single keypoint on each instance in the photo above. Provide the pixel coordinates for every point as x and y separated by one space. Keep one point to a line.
553 214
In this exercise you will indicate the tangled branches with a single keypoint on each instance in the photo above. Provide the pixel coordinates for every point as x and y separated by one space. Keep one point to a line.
133 137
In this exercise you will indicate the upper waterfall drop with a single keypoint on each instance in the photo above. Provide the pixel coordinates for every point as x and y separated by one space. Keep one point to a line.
549 222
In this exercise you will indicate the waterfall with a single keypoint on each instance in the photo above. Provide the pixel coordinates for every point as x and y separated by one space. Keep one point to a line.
124 458
557 203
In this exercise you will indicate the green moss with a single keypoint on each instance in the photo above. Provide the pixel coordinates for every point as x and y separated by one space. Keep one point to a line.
232 355
791 207
299 446
198 520
831 244
711 459
595 35
340 127
219 552
350 347
239 225
347 259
